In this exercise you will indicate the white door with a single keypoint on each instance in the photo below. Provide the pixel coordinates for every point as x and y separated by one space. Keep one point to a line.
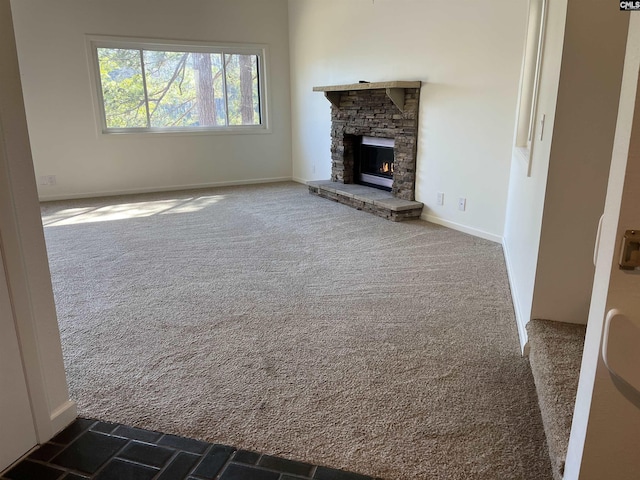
17 433
605 434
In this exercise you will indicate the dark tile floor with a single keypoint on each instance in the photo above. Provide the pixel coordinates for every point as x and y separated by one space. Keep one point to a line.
107 451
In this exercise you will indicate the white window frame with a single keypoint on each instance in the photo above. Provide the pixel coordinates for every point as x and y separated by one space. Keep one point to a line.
261 51
530 82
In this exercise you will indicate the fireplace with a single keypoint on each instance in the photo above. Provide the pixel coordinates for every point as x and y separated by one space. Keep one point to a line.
378 111
374 140
374 162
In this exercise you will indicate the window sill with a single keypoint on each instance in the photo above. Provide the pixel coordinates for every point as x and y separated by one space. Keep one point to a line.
258 130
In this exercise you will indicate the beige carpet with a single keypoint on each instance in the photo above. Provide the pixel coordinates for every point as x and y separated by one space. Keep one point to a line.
270 319
556 357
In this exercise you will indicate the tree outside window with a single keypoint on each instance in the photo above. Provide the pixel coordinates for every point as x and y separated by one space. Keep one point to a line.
157 89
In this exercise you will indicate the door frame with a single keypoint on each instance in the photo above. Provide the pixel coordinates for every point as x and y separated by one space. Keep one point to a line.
27 267
18 434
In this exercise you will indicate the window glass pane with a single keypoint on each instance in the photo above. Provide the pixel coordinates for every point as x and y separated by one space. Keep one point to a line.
185 89
218 88
210 109
153 88
242 89
122 88
171 87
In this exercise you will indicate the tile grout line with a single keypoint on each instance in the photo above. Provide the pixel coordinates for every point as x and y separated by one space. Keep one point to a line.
202 457
226 464
66 470
108 461
65 447
175 455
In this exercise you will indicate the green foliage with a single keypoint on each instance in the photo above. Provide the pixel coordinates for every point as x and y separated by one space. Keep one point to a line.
171 89
122 88
183 89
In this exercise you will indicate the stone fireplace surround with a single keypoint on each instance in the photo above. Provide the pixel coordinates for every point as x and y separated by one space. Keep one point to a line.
383 110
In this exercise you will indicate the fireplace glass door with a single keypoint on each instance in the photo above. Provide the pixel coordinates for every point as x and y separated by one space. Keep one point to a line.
375 162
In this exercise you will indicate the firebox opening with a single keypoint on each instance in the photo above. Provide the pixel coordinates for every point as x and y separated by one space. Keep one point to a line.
374 163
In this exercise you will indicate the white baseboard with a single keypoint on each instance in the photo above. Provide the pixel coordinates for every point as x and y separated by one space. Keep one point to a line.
521 320
299 180
132 191
461 228
62 416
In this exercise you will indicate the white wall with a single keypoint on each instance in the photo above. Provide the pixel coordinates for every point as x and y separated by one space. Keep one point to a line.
606 426
526 194
468 55
59 98
552 215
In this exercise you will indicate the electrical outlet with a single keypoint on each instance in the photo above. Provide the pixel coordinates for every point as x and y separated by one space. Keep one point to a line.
462 204
47 180
440 198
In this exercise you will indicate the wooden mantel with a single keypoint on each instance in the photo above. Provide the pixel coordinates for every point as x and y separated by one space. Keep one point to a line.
394 90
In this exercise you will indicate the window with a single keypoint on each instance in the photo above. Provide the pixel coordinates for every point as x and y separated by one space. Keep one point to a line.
530 78
160 86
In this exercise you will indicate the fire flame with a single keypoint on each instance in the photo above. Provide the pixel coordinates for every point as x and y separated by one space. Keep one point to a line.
387 167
